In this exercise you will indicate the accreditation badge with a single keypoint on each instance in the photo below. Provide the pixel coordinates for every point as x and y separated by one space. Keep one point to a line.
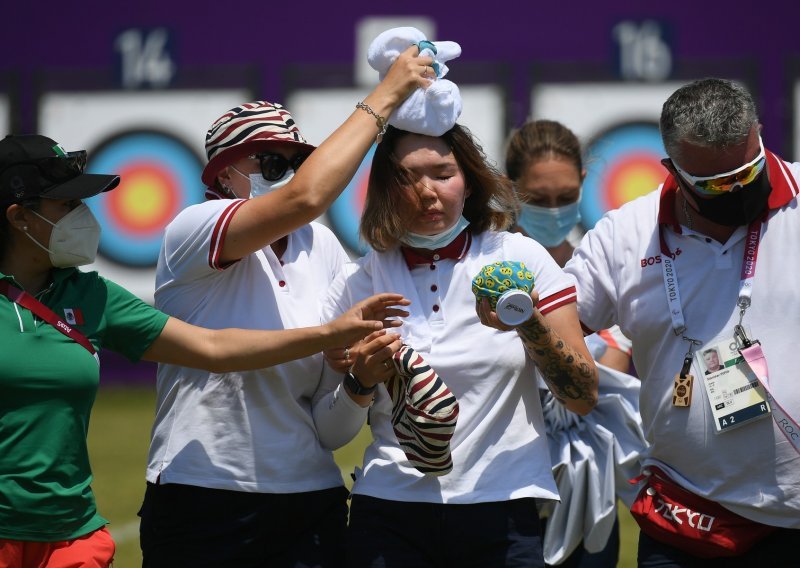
734 392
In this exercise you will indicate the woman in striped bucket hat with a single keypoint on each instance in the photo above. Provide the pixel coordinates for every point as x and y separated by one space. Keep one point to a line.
435 215
236 474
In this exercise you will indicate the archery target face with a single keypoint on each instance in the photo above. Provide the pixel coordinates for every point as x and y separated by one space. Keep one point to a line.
155 138
159 177
622 163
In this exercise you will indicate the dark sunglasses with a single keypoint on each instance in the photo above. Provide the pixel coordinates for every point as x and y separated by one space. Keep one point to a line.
274 166
57 169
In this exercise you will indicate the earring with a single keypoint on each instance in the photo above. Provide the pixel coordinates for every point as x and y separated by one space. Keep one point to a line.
24 227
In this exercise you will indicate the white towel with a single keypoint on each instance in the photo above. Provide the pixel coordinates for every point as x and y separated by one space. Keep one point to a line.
432 111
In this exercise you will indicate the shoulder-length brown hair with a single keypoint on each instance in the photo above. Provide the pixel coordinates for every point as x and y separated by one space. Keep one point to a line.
491 203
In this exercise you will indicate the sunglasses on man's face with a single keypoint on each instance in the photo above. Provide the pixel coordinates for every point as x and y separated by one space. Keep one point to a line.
724 183
274 166
58 168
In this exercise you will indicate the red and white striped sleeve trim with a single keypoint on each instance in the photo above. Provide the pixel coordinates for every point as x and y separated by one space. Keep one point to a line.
219 233
555 301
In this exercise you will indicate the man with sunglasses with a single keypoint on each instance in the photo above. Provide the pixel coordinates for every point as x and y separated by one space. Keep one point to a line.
236 473
709 261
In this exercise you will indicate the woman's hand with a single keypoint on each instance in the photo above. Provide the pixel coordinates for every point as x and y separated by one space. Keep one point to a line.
373 358
489 317
363 318
406 74
339 359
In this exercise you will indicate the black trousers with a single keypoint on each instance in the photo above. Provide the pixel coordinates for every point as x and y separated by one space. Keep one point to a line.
196 527
397 534
778 550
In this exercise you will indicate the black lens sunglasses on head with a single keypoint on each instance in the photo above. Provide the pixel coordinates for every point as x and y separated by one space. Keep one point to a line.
274 166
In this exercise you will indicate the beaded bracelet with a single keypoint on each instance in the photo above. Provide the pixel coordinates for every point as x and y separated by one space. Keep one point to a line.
382 125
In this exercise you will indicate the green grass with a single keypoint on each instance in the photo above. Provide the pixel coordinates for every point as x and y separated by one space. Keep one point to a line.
119 435
118 438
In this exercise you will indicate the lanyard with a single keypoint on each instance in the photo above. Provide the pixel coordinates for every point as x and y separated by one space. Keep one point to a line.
750 350
672 290
27 301
788 426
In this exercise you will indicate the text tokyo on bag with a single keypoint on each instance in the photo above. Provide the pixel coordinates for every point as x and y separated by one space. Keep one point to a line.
670 514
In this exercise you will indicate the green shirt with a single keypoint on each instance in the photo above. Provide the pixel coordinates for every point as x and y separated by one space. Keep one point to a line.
48 384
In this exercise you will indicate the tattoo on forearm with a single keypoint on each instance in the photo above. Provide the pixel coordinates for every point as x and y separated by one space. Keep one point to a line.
565 371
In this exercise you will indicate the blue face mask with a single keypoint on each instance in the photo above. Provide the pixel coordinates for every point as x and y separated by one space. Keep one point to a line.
549 226
433 242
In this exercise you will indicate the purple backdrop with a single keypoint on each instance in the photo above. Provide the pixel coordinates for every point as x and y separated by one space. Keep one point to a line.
272 36
40 39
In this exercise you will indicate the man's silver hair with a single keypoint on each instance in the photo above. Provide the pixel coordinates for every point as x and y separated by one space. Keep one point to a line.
712 113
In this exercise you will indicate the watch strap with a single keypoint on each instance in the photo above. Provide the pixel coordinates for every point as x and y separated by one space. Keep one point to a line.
355 387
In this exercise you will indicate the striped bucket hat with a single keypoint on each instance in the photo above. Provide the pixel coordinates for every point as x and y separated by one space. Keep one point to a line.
424 413
247 129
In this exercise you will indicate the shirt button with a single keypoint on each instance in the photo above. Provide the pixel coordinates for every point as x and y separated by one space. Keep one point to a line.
282 283
433 267
708 240
436 257
434 287
435 308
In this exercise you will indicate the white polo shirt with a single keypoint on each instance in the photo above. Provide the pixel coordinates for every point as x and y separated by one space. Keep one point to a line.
751 470
499 448
246 431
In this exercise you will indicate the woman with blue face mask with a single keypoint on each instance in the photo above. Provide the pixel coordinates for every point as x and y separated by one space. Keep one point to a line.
544 162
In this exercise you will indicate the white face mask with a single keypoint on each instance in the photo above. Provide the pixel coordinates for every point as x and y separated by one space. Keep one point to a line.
438 241
260 186
74 238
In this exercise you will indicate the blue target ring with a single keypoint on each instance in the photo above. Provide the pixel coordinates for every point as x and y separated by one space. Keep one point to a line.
623 163
345 213
159 176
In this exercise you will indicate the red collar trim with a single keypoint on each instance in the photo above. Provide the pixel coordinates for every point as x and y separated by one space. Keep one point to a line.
212 193
455 250
784 186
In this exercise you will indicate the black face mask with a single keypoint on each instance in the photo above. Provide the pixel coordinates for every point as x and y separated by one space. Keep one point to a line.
741 207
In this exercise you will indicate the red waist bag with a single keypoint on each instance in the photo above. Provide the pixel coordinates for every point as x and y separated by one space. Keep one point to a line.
670 514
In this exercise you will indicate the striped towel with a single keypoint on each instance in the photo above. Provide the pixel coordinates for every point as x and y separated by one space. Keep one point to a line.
424 413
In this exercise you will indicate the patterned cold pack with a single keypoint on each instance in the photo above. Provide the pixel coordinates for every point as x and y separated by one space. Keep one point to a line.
499 277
